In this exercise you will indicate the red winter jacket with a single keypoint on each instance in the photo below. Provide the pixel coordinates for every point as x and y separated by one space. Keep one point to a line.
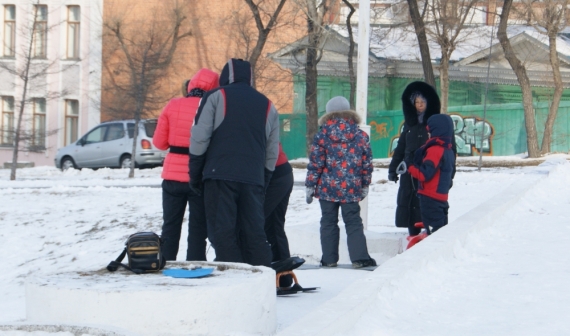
175 123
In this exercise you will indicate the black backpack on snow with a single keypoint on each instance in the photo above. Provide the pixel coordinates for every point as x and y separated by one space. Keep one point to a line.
144 253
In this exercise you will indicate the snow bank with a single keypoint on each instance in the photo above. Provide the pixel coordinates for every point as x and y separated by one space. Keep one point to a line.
339 315
237 298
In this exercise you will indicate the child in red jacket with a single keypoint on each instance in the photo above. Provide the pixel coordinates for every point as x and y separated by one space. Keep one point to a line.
433 166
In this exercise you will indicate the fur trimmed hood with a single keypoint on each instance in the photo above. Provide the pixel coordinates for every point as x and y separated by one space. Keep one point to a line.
433 102
340 114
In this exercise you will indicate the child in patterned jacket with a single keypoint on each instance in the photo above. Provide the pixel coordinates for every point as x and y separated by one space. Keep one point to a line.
339 174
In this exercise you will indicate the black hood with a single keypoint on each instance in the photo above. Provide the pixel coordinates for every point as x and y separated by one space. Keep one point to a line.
236 70
433 103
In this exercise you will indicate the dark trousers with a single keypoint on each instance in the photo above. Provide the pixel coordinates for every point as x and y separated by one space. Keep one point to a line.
235 222
330 232
175 195
275 209
408 204
434 213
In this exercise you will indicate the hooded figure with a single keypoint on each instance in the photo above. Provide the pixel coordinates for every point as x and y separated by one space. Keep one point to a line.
233 150
172 133
419 102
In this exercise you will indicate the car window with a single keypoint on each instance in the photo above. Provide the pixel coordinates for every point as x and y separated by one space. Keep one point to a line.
149 128
114 132
131 130
95 135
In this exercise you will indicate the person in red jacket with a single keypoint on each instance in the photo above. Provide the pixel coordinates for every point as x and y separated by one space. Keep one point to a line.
172 132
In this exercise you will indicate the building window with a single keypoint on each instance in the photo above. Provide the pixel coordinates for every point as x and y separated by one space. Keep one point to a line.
7 131
39 135
73 20
71 121
40 32
9 30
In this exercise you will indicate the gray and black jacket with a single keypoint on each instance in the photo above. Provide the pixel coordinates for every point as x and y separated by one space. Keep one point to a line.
235 136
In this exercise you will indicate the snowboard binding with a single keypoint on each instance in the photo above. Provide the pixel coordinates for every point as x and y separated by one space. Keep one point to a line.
286 267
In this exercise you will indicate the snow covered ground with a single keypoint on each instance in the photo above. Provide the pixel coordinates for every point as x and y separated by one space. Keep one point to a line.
506 279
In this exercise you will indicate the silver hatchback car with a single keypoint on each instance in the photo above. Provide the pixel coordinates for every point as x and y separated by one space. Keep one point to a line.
110 145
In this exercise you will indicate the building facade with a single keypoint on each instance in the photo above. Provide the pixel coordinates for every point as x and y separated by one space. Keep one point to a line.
50 75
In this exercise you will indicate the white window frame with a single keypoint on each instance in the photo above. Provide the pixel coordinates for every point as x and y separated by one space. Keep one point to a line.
9 41
71 121
7 126
40 31
73 32
39 124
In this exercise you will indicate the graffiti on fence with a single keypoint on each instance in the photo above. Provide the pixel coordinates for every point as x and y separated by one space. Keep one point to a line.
472 136
379 130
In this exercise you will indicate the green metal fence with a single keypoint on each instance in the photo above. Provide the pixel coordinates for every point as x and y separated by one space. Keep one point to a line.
502 133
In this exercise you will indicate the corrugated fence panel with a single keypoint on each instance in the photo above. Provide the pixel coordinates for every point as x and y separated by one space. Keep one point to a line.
502 131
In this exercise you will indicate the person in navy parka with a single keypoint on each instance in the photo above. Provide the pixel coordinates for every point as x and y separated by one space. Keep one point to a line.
339 174
433 167
233 150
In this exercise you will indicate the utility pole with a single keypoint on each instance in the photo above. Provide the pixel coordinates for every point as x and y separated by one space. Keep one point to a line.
362 81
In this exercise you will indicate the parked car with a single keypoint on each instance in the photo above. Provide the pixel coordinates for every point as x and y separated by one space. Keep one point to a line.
110 144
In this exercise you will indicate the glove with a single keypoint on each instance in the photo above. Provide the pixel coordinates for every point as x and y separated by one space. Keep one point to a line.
364 192
196 187
392 176
309 193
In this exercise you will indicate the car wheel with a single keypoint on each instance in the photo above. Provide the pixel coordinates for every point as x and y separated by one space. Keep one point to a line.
66 163
125 161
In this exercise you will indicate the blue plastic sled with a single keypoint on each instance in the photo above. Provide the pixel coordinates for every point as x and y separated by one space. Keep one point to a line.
188 273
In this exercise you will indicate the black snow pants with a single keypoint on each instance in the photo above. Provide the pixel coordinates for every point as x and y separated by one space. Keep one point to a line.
175 195
408 204
434 213
330 232
275 209
235 222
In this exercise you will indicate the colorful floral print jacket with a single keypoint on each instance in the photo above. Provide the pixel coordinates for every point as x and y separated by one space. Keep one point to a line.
340 163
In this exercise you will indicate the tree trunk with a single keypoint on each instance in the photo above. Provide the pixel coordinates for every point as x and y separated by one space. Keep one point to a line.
524 82
256 53
558 89
422 41
351 74
263 32
311 83
444 81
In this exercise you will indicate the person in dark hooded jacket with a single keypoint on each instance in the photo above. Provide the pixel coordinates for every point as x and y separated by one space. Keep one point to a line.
419 102
233 150
433 166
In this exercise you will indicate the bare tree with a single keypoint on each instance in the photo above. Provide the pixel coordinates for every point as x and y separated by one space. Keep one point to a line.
258 10
248 42
315 12
419 26
550 19
450 17
139 58
31 76
524 82
351 74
